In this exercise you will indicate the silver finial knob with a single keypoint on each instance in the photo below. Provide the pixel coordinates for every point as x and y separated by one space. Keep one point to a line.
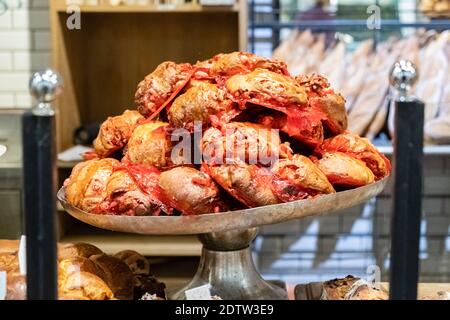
45 86
402 77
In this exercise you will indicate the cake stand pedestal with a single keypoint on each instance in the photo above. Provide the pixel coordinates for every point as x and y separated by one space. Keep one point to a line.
226 264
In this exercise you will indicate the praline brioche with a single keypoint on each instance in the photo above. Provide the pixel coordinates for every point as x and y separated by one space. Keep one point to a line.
85 285
190 190
118 275
80 249
86 186
115 132
336 289
86 273
143 282
298 178
79 264
343 170
150 144
359 148
249 184
135 261
351 288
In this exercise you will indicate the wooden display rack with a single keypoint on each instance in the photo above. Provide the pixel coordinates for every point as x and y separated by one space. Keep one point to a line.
116 46
102 63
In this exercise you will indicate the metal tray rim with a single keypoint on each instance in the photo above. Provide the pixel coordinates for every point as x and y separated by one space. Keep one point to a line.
229 220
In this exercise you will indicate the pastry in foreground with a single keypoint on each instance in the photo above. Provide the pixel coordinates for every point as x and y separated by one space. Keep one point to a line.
150 144
229 64
204 104
242 141
115 132
351 288
298 178
249 184
161 86
359 148
345 171
86 186
190 191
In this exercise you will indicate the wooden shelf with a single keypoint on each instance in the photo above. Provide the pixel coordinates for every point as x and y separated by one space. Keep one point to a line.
66 164
152 246
60 6
103 61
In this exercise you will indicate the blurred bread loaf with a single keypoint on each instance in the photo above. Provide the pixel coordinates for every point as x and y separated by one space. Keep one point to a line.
86 273
118 275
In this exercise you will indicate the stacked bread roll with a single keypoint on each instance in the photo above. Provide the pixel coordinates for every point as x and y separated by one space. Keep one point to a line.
87 273
351 288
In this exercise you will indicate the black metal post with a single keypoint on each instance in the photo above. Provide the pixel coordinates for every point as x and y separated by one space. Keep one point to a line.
276 17
39 187
408 166
252 17
408 163
39 168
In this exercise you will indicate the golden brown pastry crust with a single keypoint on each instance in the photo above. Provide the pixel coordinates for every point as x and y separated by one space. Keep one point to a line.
351 288
204 103
133 193
323 97
86 186
150 145
80 249
333 105
160 86
85 273
118 275
336 289
137 263
84 286
190 191
359 148
88 273
115 132
300 120
298 178
228 64
79 264
250 184
344 170
264 87
242 141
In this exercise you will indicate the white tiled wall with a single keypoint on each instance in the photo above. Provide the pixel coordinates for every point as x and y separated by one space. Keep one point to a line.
24 48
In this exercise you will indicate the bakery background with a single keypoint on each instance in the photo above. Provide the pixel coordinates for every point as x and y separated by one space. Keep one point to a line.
299 251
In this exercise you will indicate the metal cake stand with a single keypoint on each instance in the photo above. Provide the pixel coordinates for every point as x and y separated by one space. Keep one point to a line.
226 263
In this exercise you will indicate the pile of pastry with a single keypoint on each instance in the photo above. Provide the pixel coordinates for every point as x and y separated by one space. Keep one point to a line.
235 131
87 273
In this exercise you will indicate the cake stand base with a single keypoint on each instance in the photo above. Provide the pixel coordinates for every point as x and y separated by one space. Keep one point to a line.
226 264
